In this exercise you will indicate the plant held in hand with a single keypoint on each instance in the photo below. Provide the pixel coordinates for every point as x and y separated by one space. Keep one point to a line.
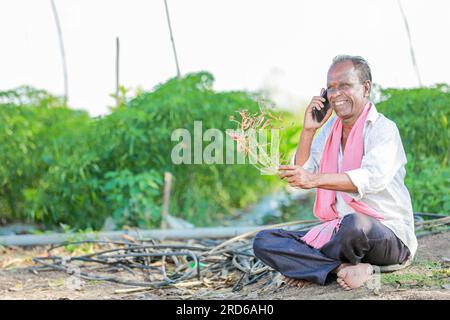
251 136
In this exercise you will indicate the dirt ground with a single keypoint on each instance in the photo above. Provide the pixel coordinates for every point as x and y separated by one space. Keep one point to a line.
427 278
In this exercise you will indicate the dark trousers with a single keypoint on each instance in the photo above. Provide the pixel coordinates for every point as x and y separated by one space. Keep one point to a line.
360 239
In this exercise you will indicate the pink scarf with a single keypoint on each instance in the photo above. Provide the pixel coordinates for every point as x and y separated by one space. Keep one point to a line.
324 207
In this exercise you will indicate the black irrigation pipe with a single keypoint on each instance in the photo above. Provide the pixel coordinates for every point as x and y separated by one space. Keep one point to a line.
238 286
130 246
423 234
432 215
256 277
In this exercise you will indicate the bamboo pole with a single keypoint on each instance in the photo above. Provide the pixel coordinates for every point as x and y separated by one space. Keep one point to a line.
63 54
166 199
172 40
411 49
117 72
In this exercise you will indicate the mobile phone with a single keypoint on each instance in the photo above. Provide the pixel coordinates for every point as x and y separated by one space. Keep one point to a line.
318 115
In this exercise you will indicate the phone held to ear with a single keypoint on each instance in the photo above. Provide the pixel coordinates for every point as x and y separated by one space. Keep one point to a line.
318 115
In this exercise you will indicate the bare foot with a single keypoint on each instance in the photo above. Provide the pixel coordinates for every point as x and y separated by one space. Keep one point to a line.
354 276
341 266
295 282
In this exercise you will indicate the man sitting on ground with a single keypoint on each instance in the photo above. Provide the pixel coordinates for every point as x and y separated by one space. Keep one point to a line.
357 163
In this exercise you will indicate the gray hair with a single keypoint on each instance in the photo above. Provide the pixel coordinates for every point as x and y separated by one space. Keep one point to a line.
359 63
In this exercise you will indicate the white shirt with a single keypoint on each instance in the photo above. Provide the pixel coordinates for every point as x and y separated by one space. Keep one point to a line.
380 180
341 206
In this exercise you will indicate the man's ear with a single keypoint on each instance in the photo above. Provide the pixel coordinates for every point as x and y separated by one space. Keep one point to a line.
367 88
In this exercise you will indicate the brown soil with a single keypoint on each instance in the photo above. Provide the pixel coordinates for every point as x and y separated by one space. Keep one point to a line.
426 278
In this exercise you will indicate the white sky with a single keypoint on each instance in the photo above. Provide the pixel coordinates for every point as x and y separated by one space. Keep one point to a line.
284 45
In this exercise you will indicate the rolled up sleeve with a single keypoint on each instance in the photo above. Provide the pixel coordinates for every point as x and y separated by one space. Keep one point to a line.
360 179
384 157
310 165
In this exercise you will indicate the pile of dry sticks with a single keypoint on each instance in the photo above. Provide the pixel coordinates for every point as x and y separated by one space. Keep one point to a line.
147 263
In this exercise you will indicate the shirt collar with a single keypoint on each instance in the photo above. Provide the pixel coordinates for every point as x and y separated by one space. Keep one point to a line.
373 113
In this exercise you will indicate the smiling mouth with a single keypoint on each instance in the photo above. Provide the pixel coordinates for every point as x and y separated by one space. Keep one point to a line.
339 103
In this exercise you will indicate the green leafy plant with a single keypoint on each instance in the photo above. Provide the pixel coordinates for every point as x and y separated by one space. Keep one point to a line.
133 197
422 115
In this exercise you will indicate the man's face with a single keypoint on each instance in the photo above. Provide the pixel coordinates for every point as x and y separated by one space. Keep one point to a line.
346 94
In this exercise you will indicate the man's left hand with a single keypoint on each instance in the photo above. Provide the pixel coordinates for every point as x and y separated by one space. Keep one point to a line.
297 177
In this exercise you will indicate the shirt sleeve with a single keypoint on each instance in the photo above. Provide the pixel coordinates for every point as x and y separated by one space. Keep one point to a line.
384 157
309 165
312 164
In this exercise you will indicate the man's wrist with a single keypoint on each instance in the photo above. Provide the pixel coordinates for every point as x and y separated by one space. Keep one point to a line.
309 131
316 180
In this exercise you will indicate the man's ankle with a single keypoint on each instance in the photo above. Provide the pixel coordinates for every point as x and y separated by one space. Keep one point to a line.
340 267
370 270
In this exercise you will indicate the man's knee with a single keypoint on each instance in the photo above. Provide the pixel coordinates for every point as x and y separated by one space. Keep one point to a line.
261 241
352 238
354 230
355 223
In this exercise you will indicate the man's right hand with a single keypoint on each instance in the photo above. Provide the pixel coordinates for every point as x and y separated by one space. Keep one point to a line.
309 123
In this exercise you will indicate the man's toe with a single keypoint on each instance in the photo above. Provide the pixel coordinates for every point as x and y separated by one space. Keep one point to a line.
342 283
